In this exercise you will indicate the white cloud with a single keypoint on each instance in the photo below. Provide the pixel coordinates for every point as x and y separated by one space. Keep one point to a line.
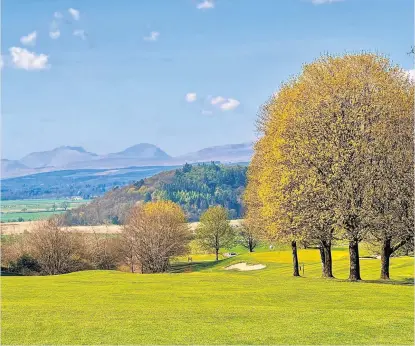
74 13
30 39
154 35
54 34
225 104
26 60
191 97
218 99
206 4
322 2
58 15
229 104
80 33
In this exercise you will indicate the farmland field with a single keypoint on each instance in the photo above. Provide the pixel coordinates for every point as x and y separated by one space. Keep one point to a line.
35 209
28 226
201 303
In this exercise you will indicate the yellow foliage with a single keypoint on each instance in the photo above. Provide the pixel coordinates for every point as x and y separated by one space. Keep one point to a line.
315 131
164 208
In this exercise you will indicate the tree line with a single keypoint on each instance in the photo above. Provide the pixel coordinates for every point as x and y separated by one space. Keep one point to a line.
335 160
153 235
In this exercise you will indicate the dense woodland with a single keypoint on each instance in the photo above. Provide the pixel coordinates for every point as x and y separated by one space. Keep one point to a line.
193 187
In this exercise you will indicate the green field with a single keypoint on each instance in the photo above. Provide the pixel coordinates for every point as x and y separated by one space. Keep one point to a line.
204 304
35 209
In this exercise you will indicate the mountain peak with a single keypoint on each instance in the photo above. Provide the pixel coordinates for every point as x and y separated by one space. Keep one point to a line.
241 152
143 151
58 157
68 147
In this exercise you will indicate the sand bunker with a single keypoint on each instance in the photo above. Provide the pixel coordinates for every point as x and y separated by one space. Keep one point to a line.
245 267
369 258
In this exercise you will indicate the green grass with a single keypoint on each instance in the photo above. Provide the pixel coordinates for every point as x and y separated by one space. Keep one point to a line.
208 305
29 216
34 209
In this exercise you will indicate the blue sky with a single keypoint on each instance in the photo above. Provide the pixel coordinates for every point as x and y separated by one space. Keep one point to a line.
181 74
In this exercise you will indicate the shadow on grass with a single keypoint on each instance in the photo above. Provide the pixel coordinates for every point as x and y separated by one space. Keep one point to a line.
188 267
9 274
403 282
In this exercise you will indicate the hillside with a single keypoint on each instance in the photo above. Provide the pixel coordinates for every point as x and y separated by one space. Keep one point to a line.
13 166
85 183
194 187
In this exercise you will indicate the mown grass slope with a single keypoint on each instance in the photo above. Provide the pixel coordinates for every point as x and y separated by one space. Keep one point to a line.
209 305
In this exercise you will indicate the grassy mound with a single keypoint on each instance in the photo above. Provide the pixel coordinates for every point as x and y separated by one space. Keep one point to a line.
201 303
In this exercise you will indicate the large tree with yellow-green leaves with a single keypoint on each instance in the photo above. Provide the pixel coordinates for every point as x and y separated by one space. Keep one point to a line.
335 157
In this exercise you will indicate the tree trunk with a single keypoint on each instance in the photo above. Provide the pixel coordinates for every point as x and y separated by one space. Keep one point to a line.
385 253
296 271
217 254
325 252
354 260
323 257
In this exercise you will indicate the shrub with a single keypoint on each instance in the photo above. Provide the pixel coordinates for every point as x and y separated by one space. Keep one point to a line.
55 248
25 265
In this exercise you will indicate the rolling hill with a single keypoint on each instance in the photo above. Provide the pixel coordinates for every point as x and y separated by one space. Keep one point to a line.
193 187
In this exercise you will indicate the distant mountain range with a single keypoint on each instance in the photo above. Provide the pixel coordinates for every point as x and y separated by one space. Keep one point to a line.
140 155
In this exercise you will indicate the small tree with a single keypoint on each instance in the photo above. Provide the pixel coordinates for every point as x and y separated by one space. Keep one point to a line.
147 197
65 205
127 247
248 236
102 250
154 233
54 247
214 230
187 168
